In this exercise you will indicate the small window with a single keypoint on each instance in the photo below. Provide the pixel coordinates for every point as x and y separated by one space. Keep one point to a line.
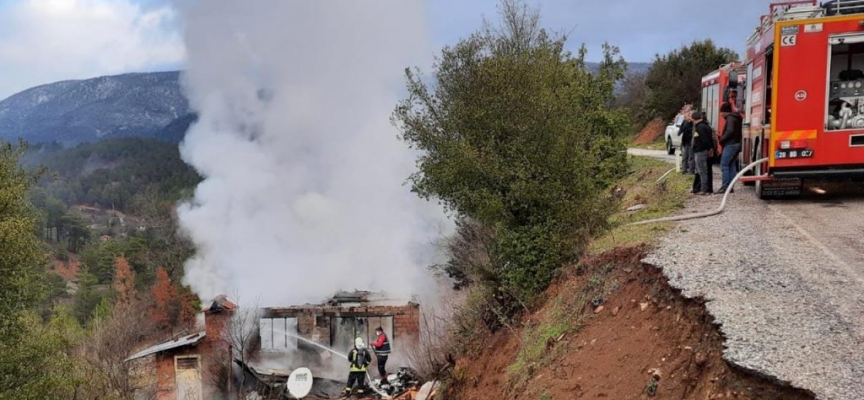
278 334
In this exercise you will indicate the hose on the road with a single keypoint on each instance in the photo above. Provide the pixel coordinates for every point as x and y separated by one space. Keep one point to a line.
707 213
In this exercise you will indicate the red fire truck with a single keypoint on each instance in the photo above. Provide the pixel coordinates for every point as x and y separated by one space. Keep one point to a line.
805 95
723 85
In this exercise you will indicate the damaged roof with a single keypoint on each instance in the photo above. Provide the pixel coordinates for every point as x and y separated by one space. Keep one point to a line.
189 340
221 302
365 298
345 304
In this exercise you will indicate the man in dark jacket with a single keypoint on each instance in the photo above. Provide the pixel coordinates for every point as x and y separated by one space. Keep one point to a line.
731 142
703 148
686 133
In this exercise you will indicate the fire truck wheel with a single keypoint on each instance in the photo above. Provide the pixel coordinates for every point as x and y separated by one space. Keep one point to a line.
760 184
754 156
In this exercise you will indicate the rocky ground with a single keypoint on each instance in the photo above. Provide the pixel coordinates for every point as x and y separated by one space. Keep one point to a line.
785 279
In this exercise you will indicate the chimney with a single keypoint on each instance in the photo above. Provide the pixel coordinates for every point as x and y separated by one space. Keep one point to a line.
216 347
217 317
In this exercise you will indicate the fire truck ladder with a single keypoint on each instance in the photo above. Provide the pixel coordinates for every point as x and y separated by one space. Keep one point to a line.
844 7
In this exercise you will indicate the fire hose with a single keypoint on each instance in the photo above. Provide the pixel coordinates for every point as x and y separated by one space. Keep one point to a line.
716 211
371 383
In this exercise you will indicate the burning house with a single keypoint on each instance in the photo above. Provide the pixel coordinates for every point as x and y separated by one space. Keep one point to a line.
281 340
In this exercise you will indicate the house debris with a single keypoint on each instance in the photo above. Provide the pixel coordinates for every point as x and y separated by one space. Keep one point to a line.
207 365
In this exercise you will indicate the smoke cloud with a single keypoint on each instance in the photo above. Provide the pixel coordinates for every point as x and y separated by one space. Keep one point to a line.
304 191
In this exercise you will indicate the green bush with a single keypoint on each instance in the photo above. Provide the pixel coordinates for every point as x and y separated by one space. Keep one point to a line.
521 138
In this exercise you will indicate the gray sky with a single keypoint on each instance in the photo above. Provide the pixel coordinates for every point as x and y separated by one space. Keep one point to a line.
45 41
641 28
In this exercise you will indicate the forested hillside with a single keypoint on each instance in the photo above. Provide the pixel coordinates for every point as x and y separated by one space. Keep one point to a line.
114 174
99 201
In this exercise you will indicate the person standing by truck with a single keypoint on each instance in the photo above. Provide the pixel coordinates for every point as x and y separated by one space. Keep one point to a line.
731 142
703 151
686 133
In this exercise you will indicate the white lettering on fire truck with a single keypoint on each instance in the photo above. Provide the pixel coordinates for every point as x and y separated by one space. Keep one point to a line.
787 40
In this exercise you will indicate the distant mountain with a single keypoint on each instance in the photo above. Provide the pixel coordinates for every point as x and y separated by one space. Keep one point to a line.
73 112
83 111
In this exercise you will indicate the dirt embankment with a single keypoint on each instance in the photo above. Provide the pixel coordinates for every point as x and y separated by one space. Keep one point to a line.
611 328
651 132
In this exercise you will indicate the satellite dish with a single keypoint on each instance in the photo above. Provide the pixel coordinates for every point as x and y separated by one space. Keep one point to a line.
299 382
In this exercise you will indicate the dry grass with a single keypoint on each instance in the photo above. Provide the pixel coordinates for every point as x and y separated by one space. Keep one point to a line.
641 187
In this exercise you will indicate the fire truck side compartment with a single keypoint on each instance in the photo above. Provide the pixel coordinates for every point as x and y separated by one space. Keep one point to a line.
818 96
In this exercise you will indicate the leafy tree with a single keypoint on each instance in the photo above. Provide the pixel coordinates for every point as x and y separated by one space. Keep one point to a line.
88 296
34 358
98 259
520 136
674 79
633 98
75 231
39 365
21 258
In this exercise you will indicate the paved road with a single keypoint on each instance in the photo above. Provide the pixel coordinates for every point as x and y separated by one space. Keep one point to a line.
659 154
785 279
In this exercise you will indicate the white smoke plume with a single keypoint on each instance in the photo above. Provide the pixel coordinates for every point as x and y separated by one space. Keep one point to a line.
304 191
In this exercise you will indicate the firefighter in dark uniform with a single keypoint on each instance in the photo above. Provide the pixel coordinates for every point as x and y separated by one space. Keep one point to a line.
381 346
359 358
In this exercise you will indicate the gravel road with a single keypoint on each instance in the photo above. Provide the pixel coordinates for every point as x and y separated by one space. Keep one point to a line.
659 154
785 279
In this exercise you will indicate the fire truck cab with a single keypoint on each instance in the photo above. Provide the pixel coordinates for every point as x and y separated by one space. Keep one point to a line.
805 95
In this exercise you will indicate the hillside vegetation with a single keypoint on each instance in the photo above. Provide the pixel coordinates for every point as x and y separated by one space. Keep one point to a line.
523 143
115 174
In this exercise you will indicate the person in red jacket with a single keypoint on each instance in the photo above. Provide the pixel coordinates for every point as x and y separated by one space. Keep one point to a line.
381 346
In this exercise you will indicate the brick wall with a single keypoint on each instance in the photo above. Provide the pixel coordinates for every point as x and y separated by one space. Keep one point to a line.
406 325
165 377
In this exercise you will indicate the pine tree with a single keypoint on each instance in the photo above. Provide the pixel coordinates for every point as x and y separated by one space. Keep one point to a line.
124 282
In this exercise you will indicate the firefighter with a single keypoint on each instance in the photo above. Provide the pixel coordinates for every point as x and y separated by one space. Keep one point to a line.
382 351
359 358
